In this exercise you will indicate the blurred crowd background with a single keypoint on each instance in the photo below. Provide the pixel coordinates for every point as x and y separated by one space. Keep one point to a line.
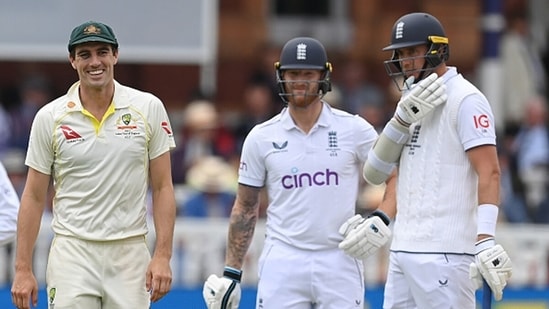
210 123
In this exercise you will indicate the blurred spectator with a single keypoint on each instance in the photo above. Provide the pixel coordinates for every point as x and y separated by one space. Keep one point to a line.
531 154
512 204
523 72
214 182
202 134
357 91
376 116
334 97
5 129
35 91
258 106
14 162
263 72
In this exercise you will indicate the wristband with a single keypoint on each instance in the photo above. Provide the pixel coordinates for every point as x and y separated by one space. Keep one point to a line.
382 215
484 244
232 273
487 219
402 122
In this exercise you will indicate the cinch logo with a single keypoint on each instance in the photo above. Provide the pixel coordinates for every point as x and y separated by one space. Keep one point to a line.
323 178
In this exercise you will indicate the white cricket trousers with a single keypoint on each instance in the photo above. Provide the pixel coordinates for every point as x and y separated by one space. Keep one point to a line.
84 274
291 278
429 281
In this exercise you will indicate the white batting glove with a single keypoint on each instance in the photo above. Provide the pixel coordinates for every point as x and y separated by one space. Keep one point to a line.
350 224
493 264
422 99
224 292
363 237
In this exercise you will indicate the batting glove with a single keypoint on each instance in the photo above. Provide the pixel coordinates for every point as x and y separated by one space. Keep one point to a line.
363 237
224 292
493 264
422 99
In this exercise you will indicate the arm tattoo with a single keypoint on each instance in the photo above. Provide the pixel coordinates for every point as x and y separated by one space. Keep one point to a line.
242 225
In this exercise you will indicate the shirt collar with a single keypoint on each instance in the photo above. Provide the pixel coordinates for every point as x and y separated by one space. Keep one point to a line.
119 99
451 72
323 120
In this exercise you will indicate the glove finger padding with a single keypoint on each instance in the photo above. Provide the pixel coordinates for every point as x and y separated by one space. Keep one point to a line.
221 293
366 238
422 99
350 224
475 276
431 89
495 267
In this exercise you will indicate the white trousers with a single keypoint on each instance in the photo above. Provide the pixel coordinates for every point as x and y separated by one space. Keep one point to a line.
97 274
291 278
429 281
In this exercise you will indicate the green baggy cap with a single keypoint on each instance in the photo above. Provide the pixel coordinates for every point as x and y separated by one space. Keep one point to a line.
92 31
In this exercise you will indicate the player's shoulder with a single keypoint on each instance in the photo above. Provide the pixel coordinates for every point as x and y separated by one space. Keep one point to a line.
345 118
56 107
136 96
336 112
457 84
138 100
462 90
266 130
271 124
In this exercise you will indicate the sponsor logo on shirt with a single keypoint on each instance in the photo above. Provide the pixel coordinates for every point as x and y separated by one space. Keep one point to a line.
413 145
51 297
315 179
166 128
443 283
70 135
243 166
481 122
332 143
126 127
124 122
280 146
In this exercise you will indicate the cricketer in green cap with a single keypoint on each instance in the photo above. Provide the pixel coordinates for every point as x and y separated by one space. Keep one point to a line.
92 31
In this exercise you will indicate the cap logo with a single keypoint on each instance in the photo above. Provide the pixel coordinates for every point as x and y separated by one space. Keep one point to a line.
399 33
301 51
92 29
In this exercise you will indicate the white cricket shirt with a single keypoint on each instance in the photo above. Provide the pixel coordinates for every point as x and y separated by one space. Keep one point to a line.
100 170
9 207
312 179
437 193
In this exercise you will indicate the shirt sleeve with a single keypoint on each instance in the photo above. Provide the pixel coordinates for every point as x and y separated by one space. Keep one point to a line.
252 169
475 122
162 139
40 152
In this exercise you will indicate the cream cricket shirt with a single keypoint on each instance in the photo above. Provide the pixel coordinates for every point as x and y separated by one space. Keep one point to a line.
100 170
312 179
